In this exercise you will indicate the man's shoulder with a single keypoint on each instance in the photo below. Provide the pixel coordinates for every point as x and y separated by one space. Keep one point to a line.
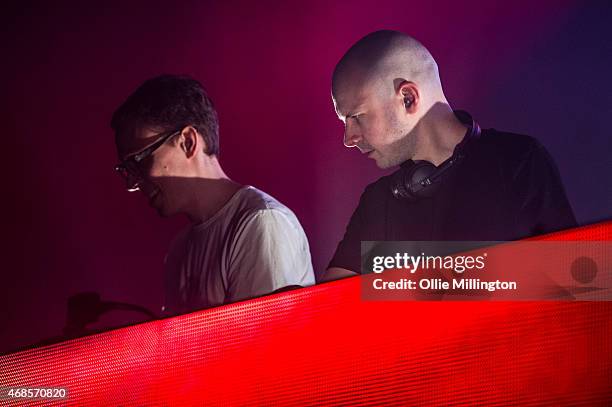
248 211
507 144
255 205
375 192
251 199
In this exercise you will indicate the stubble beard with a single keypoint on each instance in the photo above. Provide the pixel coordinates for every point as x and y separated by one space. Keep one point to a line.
400 150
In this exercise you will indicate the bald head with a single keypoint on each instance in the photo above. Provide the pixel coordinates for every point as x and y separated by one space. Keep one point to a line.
383 59
384 90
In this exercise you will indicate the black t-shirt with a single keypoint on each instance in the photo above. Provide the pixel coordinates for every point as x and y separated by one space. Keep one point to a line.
507 187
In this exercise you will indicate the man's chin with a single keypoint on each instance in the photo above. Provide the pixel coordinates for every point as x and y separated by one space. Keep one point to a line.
156 202
163 212
160 209
384 164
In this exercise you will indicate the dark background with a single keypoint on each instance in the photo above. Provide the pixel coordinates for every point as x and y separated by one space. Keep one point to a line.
540 68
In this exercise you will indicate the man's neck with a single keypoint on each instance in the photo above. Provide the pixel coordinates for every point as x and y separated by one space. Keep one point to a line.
208 197
440 131
208 190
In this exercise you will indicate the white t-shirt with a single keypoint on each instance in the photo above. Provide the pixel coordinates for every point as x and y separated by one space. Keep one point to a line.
253 246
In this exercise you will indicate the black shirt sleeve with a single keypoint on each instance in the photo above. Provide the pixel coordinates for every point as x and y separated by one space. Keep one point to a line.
543 199
348 252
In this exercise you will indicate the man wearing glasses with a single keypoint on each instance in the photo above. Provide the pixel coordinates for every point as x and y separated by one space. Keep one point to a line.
241 243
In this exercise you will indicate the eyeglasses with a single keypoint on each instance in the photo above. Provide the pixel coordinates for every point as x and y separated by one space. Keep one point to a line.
130 166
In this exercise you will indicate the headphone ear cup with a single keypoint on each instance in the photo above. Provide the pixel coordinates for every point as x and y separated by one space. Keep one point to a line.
420 172
406 185
400 188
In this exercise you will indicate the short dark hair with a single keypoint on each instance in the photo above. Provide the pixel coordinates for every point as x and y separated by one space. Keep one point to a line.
169 102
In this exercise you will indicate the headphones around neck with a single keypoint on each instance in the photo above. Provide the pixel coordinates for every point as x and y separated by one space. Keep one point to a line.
420 179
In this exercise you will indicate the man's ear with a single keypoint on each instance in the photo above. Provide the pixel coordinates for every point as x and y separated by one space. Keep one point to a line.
190 141
408 95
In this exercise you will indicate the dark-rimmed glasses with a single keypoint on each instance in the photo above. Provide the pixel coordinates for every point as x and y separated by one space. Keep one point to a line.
130 166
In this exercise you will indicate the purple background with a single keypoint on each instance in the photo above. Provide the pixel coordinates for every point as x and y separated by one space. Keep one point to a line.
539 68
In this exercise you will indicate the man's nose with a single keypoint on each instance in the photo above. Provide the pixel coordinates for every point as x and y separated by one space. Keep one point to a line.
351 135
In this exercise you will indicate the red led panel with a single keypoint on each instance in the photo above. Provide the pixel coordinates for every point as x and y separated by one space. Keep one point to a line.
323 345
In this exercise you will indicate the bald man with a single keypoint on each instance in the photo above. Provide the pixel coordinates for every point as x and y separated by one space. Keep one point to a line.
455 181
